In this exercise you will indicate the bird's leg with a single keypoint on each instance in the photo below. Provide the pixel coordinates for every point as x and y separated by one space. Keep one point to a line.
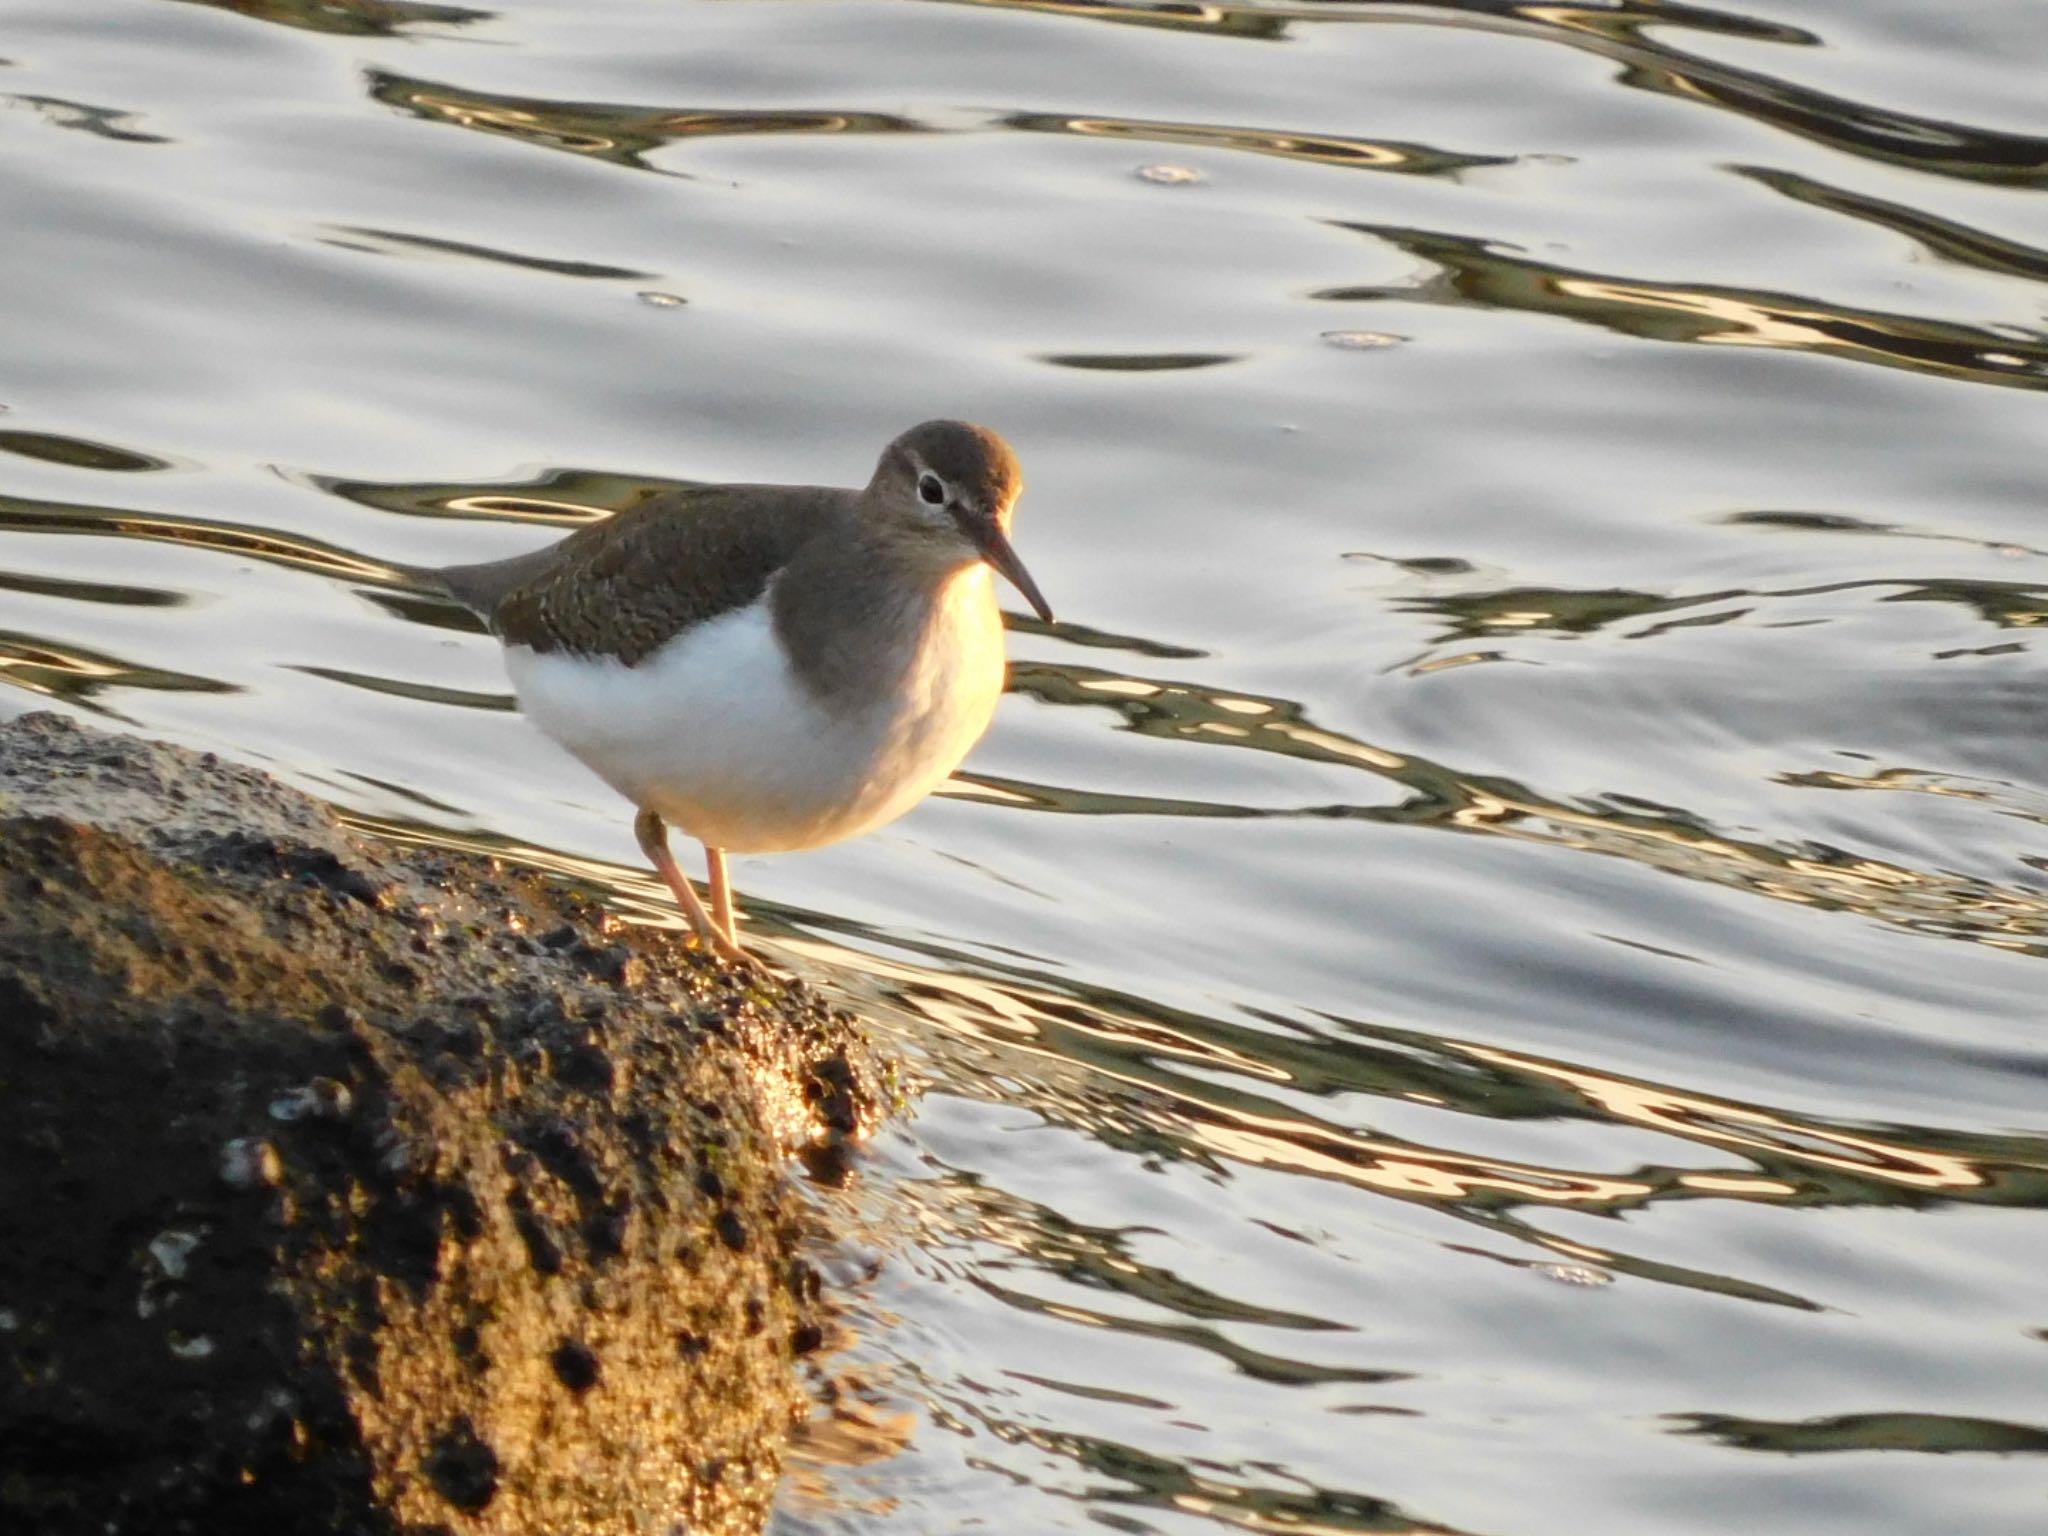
653 837
721 892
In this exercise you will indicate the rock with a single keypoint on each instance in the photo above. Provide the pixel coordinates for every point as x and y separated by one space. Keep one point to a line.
330 1200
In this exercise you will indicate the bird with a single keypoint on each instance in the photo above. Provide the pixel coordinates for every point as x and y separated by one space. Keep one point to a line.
769 667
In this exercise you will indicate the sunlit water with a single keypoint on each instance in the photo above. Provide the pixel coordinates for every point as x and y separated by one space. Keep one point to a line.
1491 978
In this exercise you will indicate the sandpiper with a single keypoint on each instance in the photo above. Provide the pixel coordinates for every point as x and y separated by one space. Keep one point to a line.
770 667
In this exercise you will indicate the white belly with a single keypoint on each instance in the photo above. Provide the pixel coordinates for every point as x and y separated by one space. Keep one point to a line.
716 735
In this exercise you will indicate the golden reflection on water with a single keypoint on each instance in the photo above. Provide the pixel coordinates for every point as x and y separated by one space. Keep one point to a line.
1575 611
522 509
78 676
1076 1052
1249 21
1116 1067
79 452
1924 901
1944 238
1321 149
623 135
21 514
1719 1122
1469 271
349 18
1090 1071
1631 34
1912 781
563 497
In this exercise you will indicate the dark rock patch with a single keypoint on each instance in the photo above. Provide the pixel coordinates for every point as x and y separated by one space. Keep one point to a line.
304 1165
575 1366
464 1470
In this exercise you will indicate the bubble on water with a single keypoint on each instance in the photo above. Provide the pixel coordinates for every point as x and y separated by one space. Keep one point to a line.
1170 175
1575 1274
1363 341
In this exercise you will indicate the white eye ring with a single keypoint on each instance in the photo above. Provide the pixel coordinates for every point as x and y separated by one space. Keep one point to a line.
930 488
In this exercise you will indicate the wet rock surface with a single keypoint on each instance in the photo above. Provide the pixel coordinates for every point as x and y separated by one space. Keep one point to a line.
356 1189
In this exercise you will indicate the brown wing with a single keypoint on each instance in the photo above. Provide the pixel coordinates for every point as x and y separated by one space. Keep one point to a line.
627 585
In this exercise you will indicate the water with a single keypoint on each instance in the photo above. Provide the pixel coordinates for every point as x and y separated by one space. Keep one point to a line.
1488 978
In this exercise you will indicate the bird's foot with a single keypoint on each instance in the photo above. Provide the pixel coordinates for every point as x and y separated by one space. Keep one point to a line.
726 949
653 836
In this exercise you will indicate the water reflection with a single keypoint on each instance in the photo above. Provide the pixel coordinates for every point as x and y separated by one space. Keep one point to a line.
78 452
1967 247
24 514
1179 1099
418 692
1321 149
553 497
1842 522
1931 1432
1241 1495
101 122
1804 1160
1258 23
74 590
1570 611
1630 33
393 242
1924 144
349 18
1624 21
623 135
1671 840
1138 362
1226 1111
79 676
1472 272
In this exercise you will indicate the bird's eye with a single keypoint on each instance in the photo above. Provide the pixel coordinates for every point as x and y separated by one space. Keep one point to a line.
931 488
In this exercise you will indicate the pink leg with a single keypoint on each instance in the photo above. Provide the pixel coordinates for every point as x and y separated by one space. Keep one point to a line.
721 892
653 837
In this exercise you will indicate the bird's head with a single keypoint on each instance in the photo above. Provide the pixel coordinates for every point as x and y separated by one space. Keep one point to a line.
955 484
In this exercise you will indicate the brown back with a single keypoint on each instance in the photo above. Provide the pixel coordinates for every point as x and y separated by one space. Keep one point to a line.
626 586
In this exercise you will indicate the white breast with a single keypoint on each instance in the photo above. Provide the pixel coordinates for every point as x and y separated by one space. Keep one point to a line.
718 736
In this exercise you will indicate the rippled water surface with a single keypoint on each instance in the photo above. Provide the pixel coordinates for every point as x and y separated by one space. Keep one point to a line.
1489 976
